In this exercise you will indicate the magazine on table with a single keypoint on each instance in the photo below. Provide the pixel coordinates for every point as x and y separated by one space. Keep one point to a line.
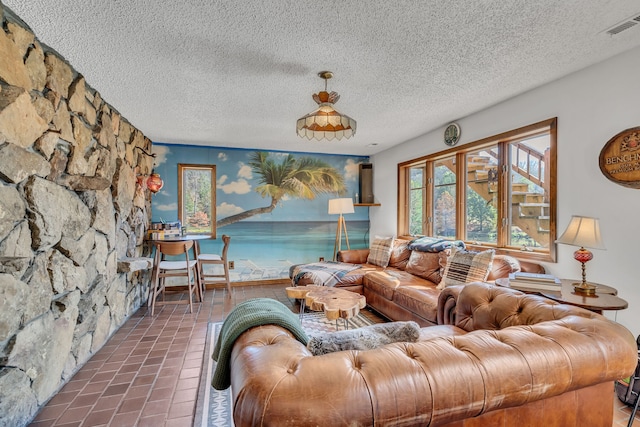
535 281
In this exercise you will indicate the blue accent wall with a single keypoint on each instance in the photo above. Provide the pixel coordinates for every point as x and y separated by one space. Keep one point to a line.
297 230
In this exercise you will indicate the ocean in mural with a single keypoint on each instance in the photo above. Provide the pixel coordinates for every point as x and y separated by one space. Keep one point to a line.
266 250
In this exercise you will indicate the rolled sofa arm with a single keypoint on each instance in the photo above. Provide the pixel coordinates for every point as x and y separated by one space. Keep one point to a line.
447 301
353 256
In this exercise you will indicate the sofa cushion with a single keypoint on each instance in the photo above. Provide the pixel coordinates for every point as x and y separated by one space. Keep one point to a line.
466 266
426 265
383 283
365 338
419 299
400 254
380 251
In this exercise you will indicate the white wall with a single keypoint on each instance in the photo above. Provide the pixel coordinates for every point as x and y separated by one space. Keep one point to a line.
592 106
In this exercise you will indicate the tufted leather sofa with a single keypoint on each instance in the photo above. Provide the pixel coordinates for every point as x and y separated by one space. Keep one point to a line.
510 359
406 289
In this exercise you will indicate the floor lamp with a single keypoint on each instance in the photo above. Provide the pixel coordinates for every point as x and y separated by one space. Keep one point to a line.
340 206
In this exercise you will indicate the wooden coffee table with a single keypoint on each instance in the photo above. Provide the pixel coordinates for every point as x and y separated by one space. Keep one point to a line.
335 302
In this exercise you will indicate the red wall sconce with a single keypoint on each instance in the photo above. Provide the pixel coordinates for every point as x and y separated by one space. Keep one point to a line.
151 182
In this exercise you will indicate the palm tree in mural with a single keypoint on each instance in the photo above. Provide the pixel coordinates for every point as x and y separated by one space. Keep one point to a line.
302 178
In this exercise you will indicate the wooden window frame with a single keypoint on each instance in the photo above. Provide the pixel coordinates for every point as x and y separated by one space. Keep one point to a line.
212 168
503 142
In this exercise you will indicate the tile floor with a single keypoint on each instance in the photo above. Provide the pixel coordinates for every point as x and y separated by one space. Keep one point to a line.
148 373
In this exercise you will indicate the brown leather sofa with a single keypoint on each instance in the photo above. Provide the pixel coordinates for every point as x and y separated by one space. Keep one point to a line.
510 359
407 288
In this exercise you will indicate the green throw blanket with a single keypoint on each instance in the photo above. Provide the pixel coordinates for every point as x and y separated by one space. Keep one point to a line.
250 313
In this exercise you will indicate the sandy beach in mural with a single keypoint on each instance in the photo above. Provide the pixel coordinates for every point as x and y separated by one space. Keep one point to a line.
266 250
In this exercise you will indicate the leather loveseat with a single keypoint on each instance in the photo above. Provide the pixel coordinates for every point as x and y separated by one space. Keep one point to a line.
407 288
510 359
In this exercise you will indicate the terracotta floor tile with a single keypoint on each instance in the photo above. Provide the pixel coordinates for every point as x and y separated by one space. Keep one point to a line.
48 423
83 399
51 412
185 395
187 383
97 418
193 363
109 402
110 367
95 387
149 371
143 380
134 404
169 381
182 409
152 421
128 419
159 394
102 376
157 407
173 362
63 397
116 389
123 378
74 414
190 373
138 391
129 368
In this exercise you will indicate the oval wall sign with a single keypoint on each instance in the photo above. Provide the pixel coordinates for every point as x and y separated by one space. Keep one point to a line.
620 158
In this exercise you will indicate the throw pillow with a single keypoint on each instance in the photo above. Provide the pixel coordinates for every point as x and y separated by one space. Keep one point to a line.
425 265
400 254
380 252
466 266
365 338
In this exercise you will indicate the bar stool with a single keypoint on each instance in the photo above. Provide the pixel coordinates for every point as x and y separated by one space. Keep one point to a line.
163 269
215 259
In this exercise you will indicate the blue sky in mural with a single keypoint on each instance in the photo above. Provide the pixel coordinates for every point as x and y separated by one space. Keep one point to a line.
236 183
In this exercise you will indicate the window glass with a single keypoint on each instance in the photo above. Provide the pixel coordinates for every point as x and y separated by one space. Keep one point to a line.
529 193
416 199
444 195
482 195
196 202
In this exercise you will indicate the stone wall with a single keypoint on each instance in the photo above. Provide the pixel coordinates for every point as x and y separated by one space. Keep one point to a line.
71 215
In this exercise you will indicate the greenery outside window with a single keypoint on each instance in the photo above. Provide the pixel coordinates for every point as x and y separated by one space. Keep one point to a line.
499 192
197 198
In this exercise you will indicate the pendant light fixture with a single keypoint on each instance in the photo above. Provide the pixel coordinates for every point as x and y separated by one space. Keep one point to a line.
326 122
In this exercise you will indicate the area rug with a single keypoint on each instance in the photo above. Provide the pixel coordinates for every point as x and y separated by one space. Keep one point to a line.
214 407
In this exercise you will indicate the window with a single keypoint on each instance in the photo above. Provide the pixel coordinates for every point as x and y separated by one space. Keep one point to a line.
495 193
197 198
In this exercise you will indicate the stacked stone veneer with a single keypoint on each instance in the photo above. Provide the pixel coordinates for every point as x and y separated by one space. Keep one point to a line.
71 215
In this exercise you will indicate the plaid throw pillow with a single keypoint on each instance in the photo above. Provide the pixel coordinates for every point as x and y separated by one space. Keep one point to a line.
466 266
380 252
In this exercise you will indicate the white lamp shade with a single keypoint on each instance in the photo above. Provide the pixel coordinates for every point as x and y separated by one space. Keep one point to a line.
341 206
584 232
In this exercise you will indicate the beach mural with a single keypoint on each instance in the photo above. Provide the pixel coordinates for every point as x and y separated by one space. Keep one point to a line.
272 204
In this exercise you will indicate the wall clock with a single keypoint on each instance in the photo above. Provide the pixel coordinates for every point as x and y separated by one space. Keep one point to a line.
452 134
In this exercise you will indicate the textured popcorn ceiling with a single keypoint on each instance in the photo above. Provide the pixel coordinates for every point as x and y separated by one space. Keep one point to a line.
239 73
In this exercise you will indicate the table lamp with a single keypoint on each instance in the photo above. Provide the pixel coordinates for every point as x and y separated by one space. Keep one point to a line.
584 232
340 206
